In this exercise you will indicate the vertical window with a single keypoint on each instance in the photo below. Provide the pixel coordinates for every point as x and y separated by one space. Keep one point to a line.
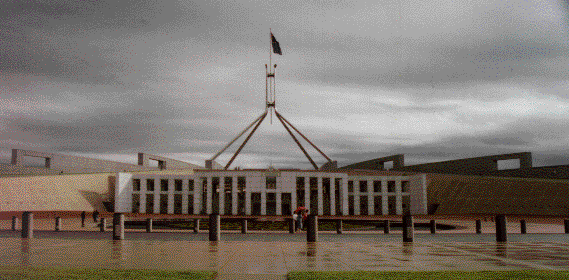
241 184
300 191
228 182
150 203
136 203
150 185
163 204
377 186
313 183
404 186
178 184
391 186
350 186
164 185
363 186
271 182
190 185
177 204
136 185
191 204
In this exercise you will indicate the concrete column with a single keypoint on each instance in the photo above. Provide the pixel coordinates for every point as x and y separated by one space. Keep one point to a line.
357 197
408 229
333 199
14 223
209 196
197 196
501 233
523 227
307 192
234 193
312 229
433 226
263 202
247 201
118 226
279 203
171 187
344 195
143 198
566 223
398 198
244 226
478 227
156 209
293 203
384 199
102 224
320 196
291 226
370 200
221 195
386 226
339 226
185 202
196 225
57 223
214 227
27 225
149 225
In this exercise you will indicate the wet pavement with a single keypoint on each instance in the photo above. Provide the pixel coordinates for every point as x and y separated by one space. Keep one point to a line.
272 255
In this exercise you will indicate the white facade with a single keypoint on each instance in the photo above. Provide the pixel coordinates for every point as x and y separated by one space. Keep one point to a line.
270 192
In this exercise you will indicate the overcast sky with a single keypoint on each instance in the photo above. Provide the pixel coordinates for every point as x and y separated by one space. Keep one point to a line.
434 80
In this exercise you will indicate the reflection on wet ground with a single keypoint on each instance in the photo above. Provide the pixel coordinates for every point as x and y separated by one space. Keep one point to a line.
277 254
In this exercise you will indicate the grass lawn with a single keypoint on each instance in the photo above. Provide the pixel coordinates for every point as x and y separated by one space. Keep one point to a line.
524 274
18 272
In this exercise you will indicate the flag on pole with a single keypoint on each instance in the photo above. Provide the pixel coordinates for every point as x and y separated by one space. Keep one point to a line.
276 46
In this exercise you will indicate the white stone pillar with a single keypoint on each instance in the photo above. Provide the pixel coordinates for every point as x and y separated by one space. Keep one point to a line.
279 202
307 192
384 199
370 200
221 196
234 195
293 204
209 195
357 197
247 200
333 196
344 195
320 194
142 195
171 187
398 198
185 194
197 195
156 195
263 202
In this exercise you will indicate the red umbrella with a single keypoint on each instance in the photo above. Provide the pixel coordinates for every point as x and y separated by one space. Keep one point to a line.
299 209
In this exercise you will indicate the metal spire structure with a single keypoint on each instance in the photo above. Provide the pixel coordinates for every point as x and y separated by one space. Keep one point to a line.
270 107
